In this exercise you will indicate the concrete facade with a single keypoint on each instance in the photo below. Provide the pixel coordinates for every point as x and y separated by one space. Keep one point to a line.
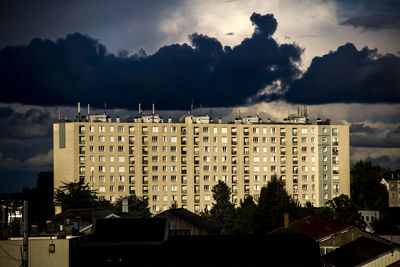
180 162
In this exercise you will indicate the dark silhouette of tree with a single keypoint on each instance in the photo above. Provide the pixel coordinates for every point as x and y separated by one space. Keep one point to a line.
342 209
137 206
367 192
223 210
77 195
40 199
273 203
244 219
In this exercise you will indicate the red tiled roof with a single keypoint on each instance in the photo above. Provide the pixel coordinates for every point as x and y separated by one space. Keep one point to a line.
315 227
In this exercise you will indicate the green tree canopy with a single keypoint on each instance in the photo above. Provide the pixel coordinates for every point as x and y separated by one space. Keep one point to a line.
273 203
367 192
77 195
342 209
223 210
244 219
40 199
137 206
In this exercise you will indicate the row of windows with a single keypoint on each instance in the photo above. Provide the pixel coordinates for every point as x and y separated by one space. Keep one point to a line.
206 129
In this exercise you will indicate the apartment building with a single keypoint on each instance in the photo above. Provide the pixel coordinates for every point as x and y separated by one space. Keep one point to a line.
181 161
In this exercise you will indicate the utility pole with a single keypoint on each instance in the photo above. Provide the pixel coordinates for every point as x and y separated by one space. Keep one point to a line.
26 234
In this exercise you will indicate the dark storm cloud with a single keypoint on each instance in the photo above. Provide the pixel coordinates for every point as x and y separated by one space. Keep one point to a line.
79 68
374 21
32 123
349 75
380 135
123 23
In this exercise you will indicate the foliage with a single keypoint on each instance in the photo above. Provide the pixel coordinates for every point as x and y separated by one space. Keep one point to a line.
40 199
137 206
222 211
342 209
174 205
388 222
244 219
366 189
273 203
77 195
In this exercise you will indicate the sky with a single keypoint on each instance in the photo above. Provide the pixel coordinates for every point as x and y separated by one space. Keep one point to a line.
340 58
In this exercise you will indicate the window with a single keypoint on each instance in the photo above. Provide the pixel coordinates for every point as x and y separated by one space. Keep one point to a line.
121 169
102 189
224 140
121 159
121 129
174 139
224 130
154 129
121 149
102 129
121 188
273 130
111 188
304 130
102 168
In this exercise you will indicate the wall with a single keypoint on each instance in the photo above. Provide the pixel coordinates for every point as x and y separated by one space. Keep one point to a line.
39 255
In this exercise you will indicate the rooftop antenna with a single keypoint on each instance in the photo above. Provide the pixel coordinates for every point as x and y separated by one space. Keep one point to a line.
59 113
201 109
191 108
153 109
79 108
105 107
140 109
88 109
298 111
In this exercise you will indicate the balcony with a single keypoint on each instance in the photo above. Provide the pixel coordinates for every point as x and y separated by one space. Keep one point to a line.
335 143
295 181
247 191
183 191
132 192
246 181
196 162
183 142
145 191
184 171
145 162
246 171
234 143
295 191
145 142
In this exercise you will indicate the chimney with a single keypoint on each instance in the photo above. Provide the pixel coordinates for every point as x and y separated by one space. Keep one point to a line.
125 205
153 109
140 109
79 108
169 120
219 120
88 109
286 220
117 119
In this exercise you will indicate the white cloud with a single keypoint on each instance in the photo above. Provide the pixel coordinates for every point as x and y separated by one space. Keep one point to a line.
313 24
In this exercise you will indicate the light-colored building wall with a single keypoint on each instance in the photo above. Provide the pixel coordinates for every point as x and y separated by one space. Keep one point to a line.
38 253
181 162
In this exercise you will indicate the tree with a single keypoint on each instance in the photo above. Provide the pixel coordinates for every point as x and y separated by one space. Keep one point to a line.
223 210
77 195
273 203
137 206
244 219
367 192
40 199
342 209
